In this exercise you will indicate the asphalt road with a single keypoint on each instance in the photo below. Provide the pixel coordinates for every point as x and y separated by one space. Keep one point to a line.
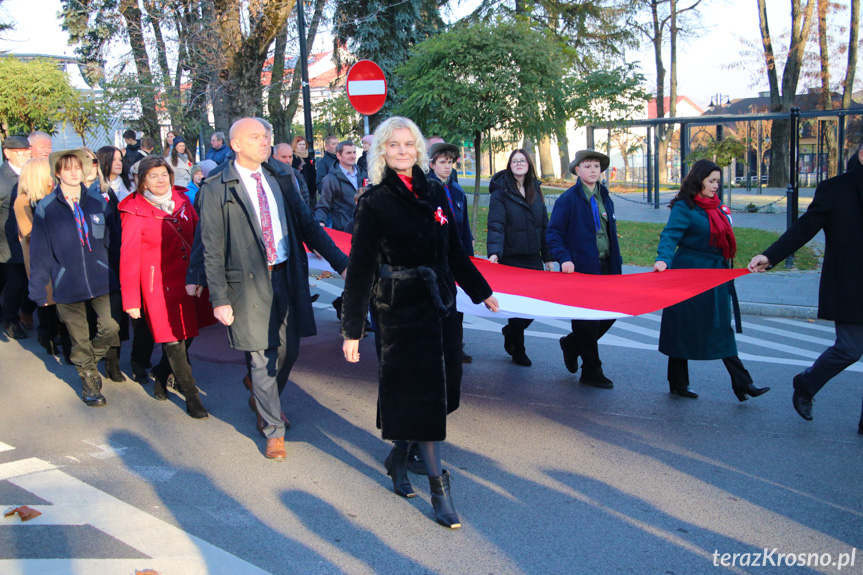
549 476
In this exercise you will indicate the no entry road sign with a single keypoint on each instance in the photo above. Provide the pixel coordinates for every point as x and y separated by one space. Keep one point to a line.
367 87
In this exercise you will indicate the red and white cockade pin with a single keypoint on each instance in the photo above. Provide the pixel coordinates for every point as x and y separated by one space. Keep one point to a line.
182 213
727 211
439 217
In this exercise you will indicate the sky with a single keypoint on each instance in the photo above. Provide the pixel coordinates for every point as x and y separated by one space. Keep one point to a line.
702 66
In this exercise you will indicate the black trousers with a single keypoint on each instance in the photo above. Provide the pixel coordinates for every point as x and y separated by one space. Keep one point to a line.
14 294
586 333
142 342
678 372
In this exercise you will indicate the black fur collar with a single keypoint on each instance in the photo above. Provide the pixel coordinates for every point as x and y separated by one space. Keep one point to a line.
421 190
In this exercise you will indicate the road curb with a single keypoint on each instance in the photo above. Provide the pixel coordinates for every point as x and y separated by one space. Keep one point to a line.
779 310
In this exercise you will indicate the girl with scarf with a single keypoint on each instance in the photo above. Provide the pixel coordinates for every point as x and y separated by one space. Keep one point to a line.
699 236
180 163
158 228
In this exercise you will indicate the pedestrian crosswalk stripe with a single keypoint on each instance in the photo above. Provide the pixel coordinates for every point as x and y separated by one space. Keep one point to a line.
73 502
803 324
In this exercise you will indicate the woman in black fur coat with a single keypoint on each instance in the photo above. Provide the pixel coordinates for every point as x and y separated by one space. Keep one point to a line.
405 258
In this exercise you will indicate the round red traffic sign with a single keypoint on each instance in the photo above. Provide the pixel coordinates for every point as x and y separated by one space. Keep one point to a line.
367 87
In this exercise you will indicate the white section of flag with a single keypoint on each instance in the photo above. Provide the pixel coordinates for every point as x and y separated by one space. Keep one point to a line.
367 87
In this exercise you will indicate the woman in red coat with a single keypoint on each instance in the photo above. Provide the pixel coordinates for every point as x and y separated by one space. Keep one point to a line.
158 229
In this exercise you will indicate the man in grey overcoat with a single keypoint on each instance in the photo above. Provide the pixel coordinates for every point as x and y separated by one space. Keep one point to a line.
253 227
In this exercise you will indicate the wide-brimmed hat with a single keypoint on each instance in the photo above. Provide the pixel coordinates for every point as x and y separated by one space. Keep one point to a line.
443 147
86 161
583 155
16 143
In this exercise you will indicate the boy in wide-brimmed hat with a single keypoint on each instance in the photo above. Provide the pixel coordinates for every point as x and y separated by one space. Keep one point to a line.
582 237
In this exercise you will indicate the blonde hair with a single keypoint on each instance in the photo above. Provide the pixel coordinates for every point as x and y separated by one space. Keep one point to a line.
377 153
35 180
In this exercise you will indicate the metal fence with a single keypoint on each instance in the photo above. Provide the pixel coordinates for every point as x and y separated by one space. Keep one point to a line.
807 149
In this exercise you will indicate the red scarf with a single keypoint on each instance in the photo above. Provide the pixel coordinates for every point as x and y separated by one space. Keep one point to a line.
408 182
721 234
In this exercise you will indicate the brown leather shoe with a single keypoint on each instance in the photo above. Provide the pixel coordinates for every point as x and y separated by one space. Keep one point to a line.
276 449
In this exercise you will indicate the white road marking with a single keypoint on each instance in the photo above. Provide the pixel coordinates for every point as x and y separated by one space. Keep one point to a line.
73 502
4 447
107 448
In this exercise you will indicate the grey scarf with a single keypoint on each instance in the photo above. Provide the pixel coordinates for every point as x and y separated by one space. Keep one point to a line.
163 202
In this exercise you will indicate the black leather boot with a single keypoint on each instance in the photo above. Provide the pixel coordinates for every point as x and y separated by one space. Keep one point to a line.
519 355
396 465
444 510
184 381
91 384
112 365
160 388
507 340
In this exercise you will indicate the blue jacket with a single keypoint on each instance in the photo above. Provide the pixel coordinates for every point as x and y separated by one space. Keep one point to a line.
571 233
219 155
56 254
459 209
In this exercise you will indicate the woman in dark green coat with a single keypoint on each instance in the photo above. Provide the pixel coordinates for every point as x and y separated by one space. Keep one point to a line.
698 235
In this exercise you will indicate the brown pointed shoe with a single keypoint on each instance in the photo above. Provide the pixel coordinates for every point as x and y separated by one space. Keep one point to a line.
276 449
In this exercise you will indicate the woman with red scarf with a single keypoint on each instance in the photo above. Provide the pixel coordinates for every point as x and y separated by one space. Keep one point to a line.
699 235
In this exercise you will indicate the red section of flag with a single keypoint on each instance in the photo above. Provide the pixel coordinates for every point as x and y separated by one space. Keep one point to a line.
631 294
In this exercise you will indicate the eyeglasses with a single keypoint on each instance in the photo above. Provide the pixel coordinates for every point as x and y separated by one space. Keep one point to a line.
518 162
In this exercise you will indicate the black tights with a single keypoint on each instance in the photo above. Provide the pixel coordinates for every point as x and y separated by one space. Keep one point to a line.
430 452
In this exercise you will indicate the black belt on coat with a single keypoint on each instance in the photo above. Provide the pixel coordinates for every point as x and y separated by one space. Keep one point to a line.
428 275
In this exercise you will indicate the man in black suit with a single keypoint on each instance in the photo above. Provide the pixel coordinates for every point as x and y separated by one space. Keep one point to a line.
837 208
13 275
253 227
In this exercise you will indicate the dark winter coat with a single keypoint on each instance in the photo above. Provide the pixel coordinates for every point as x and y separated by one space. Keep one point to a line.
220 155
336 199
572 232
154 258
459 207
837 208
132 156
8 227
56 254
325 164
235 258
406 260
306 166
700 327
516 230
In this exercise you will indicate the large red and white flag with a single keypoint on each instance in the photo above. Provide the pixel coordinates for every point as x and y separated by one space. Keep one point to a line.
552 295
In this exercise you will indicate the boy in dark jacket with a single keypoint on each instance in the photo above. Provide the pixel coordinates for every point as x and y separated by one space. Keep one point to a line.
442 158
72 246
582 237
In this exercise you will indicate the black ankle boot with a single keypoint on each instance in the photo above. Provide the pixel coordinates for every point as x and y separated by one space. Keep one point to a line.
91 384
682 391
519 355
444 510
396 465
742 391
507 340
195 408
415 460
112 365
160 388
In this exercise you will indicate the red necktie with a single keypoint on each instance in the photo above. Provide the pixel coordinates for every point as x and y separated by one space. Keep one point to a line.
266 220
